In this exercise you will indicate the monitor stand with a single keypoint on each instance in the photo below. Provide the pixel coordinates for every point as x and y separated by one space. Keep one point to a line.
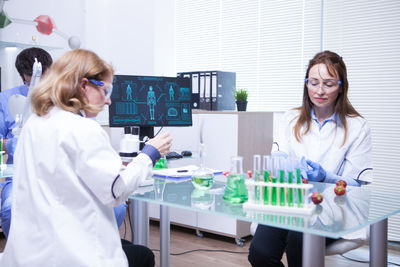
145 131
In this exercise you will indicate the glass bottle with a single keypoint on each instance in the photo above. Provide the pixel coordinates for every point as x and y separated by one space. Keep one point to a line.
202 178
235 189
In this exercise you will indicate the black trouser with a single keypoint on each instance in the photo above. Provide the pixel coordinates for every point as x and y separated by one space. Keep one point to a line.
138 256
269 244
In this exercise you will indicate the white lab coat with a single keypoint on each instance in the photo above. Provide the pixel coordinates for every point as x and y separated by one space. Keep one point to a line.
62 203
325 147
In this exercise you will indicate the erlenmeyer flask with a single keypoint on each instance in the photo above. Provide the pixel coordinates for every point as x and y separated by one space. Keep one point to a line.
235 189
202 178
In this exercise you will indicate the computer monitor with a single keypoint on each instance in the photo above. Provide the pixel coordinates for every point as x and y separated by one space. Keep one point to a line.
149 101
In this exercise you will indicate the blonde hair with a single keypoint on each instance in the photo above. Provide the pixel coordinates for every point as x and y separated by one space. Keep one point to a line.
62 85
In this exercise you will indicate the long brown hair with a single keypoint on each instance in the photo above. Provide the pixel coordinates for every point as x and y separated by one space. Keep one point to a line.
336 68
61 86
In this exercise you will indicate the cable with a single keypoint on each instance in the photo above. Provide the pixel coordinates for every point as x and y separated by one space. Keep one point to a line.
348 258
129 217
124 228
360 261
366 169
205 250
158 131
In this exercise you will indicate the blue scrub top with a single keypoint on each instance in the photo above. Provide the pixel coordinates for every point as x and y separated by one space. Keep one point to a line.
7 122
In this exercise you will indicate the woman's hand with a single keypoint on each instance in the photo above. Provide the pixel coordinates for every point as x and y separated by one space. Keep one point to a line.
161 142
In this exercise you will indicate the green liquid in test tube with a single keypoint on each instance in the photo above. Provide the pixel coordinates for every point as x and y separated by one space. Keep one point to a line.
282 189
266 188
273 191
257 178
299 190
290 190
256 188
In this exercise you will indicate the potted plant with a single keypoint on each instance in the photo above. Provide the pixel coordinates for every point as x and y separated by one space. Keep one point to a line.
241 99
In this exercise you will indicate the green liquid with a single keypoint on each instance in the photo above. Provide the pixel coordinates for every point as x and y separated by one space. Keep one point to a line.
161 164
281 189
203 182
273 191
299 190
235 189
256 188
290 190
266 188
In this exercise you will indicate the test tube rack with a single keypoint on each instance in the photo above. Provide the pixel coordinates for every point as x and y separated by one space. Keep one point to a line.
280 203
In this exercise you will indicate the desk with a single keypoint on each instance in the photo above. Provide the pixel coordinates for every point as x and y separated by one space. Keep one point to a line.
335 217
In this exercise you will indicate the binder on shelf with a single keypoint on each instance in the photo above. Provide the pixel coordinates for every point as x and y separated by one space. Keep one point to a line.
202 85
212 90
223 90
195 91
194 79
207 91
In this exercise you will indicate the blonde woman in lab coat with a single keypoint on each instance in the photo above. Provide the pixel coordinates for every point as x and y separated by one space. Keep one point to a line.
67 176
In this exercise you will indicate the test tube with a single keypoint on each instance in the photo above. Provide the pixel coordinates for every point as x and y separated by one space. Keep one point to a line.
274 179
257 177
289 174
281 175
299 191
267 169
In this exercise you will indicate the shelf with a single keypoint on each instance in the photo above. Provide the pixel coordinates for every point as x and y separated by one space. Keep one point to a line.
24 45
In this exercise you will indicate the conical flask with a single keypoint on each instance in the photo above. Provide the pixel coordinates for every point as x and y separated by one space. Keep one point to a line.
235 189
202 178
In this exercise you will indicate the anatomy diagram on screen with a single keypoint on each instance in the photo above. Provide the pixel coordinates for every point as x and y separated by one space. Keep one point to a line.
148 100
151 101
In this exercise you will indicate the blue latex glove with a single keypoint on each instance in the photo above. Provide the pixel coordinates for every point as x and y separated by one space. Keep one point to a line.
316 173
303 168
11 144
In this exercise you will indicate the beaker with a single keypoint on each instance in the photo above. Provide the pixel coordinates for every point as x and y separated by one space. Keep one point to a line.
202 178
161 164
235 189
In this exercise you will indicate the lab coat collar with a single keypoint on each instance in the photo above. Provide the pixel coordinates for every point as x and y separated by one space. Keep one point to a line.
333 118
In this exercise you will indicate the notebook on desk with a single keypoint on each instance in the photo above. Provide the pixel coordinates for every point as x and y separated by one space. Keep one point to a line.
184 172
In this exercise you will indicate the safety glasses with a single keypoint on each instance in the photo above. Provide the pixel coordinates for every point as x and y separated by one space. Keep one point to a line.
107 91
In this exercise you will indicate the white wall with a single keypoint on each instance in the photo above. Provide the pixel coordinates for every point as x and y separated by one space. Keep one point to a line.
25 35
135 36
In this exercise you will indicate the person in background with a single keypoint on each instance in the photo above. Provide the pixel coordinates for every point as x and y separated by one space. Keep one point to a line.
24 63
67 176
334 142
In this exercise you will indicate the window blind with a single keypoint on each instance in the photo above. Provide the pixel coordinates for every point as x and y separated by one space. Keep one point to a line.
268 45
367 35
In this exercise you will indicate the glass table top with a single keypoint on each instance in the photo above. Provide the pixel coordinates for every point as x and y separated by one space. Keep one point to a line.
335 217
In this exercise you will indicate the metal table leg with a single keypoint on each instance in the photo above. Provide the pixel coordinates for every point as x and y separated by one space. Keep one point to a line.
313 250
140 223
164 236
378 244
